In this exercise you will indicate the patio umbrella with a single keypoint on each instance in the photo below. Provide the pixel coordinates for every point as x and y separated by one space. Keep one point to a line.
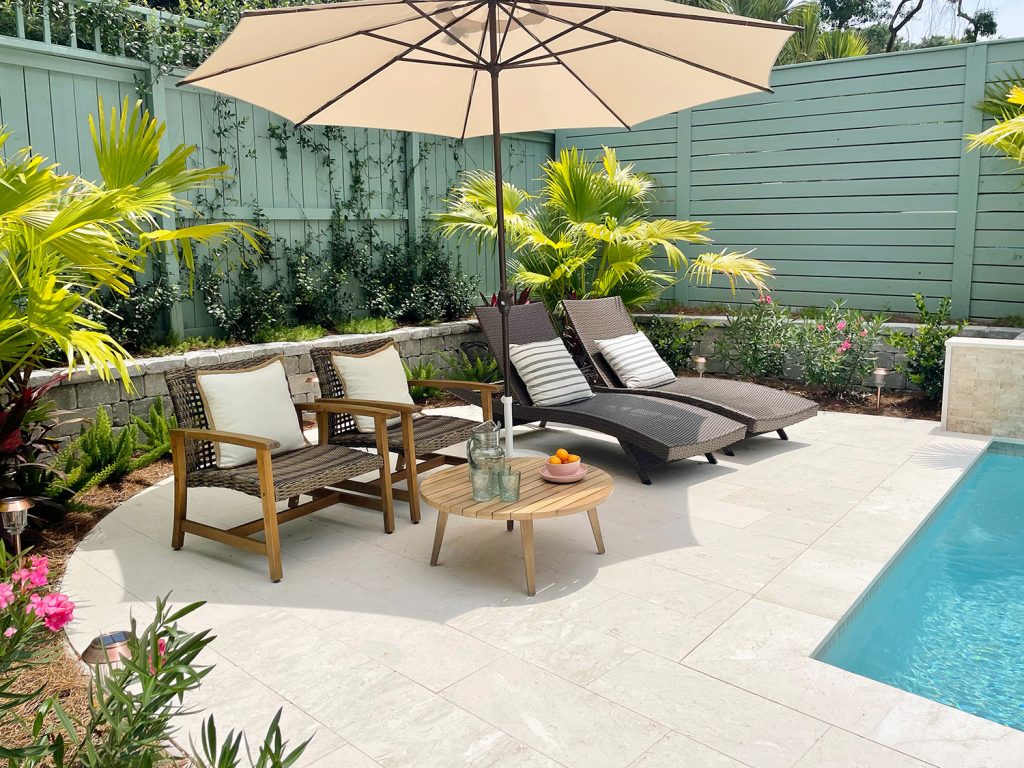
466 68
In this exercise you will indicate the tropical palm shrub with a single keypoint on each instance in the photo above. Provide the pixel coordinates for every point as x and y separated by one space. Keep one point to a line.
590 233
756 339
1006 136
65 240
926 348
813 43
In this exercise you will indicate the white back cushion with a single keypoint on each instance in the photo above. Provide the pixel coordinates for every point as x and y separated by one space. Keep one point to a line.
373 376
549 373
635 361
250 401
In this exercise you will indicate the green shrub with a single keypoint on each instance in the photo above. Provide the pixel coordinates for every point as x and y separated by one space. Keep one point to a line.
674 338
291 333
926 349
134 320
834 348
426 370
463 367
252 309
756 339
1009 321
368 325
418 284
317 287
172 345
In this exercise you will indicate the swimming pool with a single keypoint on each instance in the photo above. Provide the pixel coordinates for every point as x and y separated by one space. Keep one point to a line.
946 618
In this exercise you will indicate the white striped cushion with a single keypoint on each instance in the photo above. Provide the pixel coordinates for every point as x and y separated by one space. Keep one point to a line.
635 361
550 375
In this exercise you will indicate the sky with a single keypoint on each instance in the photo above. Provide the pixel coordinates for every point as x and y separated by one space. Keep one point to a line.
938 18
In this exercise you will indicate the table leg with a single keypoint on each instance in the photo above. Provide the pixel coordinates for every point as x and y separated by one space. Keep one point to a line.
595 526
442 520
526 526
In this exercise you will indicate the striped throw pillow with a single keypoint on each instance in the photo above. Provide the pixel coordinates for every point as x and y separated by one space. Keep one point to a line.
550 375
635 361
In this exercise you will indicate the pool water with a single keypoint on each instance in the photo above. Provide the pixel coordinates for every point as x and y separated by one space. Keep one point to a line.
946 618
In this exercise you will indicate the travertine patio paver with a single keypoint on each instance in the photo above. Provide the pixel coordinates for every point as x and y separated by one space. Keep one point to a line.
686 644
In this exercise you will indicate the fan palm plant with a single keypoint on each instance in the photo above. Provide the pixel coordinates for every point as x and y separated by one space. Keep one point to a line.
811 43
63 240
589 233
1006 135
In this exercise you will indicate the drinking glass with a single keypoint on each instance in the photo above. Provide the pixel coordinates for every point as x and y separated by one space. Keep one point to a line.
483 484
508 484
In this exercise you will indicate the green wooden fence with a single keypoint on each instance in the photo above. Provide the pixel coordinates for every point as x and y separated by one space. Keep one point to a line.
394 180
851 180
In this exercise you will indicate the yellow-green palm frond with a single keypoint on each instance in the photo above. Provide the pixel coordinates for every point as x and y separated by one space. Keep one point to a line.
841 44
573 188
733 265
472 208
1007 135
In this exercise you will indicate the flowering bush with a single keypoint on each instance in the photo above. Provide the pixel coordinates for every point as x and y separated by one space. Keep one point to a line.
133 705
834 348
756 339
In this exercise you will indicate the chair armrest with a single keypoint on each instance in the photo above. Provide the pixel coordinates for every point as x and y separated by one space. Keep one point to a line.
396 408
478 386
344 406
235 438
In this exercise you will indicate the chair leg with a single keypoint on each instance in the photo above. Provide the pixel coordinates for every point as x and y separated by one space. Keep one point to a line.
386 499
711 458
510 525
293 502
409 451
783 435
400 462
268 500
180 492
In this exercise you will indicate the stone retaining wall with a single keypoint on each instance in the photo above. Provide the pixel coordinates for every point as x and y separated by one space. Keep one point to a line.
80 396
888 356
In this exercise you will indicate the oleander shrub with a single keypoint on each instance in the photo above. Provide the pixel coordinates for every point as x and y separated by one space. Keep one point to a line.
835 348
675 339
756 339
926 349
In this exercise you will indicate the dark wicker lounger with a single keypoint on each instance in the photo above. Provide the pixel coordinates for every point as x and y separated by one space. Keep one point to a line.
760 409
651 431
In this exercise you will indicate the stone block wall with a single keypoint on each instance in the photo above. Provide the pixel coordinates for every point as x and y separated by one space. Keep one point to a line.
984 387
887 355
84 392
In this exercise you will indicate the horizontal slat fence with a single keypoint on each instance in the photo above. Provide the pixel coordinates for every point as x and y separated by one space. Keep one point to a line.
850 180
395 180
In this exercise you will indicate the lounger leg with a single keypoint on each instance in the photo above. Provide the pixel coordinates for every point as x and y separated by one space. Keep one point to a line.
510 524
635 457
783 435
180 493
400 462
543 425
711 458
728 451
293 502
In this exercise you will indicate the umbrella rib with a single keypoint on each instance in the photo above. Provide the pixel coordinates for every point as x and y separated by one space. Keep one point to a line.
544 59
456 60
504 35
572 72
385 65
446 30
572 28
327 7
616 39
740 21
311 46
472 84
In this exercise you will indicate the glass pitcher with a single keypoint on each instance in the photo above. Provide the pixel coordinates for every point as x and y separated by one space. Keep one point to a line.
486 460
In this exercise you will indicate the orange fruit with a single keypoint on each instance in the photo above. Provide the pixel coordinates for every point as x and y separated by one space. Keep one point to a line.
562 454
554 460
572 458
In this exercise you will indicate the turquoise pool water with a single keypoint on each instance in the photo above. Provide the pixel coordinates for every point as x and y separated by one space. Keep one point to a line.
946 619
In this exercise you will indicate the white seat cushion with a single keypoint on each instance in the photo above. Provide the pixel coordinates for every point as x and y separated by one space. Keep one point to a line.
377 375
250 401
549 373
635 361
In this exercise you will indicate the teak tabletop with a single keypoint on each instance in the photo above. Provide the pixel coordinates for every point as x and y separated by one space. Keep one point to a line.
450 493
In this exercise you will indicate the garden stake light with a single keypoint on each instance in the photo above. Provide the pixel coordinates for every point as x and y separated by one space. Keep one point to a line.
700 364
878 377
14 510
105 652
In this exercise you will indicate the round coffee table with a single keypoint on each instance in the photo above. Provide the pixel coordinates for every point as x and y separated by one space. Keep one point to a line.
450 493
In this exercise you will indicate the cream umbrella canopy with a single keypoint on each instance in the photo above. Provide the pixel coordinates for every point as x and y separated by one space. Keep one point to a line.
466 68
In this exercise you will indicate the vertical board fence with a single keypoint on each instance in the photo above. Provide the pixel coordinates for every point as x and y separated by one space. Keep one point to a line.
296 179
851 180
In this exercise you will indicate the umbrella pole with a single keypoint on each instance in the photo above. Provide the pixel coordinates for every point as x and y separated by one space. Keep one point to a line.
504 297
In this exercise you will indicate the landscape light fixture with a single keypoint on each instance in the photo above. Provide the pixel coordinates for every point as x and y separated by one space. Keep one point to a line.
700 364
14 512
878 377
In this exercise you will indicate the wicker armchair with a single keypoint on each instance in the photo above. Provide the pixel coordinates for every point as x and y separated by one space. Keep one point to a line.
316 471
416 441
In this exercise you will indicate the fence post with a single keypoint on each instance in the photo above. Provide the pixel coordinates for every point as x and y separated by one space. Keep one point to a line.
158 108
414 185
968 175
684 122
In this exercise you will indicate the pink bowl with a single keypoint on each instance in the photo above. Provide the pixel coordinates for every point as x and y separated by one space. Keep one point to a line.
563 470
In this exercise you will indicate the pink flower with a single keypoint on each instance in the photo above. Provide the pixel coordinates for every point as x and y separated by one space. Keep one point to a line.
161 652
21 575
845 346
821 327
10 632
840 325
767 299
864 332
6 595
39 570
55 610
